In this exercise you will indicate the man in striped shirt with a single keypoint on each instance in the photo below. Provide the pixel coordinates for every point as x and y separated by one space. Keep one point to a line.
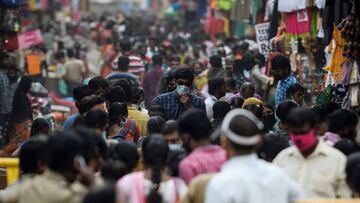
136 64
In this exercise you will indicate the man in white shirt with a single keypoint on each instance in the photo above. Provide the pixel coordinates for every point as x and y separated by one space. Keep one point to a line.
217 89
317 167
244 177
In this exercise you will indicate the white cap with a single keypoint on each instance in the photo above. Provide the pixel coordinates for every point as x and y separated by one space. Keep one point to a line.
237 138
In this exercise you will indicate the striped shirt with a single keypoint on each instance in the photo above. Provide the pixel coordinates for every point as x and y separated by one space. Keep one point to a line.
136 65
206 159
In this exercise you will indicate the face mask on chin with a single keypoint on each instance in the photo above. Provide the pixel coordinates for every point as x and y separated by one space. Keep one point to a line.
304 142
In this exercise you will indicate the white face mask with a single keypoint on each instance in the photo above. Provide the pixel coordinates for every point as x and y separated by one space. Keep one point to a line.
175 147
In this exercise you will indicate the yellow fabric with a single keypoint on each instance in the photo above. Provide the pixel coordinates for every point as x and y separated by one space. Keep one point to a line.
140 118
12 169
251 100
317 174
226 26
337 59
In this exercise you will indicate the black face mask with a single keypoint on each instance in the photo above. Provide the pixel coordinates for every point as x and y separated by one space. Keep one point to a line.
269 122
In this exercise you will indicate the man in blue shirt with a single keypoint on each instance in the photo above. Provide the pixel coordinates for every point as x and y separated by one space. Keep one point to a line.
281 69
79 93
182 99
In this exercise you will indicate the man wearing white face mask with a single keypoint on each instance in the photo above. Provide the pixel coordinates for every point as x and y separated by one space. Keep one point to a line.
244 177
177 102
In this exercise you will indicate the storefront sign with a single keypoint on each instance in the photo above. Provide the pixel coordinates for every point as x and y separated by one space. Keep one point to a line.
30 38
262 33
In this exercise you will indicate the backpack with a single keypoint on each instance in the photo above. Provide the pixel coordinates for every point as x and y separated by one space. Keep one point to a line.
127 132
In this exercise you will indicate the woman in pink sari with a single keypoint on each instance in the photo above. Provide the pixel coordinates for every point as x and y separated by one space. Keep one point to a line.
153 185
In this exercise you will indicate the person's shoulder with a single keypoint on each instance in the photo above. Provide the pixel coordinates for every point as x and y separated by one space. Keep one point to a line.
285 153
197 98
331 151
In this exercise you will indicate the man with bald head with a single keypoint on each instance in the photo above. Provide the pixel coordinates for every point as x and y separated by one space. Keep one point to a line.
244 177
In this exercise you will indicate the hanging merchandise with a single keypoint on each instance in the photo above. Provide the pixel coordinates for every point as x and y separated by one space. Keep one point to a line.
11 3
338 58
350 31
287 6
225 5
10 20
10 41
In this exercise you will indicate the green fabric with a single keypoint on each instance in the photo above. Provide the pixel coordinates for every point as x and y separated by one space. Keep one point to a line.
225 4
314 22
63 88
256 6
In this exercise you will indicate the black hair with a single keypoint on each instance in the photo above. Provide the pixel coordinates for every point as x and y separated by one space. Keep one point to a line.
238 66
170 126
137 92
248 61
175 58
346 146
96 119
94 146
32 153
185 73
157 59
293 89
125 152
157 110
97 84
216 61
352 172
248 86
341 119
70 53
155 155
230 82
123 63
281 62
116 109
87 103
105 194
115 94
81 91
299 117
62 149
155 125
257 110
38 125
283 110
215 83
196 124
271 146
237 102
221 109
126 85
323 111
125 46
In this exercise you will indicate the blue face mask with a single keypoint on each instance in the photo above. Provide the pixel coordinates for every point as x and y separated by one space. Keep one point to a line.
175 147
182 89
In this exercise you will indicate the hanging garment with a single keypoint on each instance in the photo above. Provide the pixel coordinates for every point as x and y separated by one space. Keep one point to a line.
241 10
298 22
224 4
337 59
274 21
288 6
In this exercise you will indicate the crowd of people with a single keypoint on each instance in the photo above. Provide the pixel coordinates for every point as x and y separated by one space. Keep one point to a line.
178 118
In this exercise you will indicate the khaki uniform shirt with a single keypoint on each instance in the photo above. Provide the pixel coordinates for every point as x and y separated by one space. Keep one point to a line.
197 188
74 70
51 187
321 174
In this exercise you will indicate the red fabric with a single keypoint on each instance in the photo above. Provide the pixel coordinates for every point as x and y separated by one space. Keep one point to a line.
213 25
206 159
10 42
293 26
